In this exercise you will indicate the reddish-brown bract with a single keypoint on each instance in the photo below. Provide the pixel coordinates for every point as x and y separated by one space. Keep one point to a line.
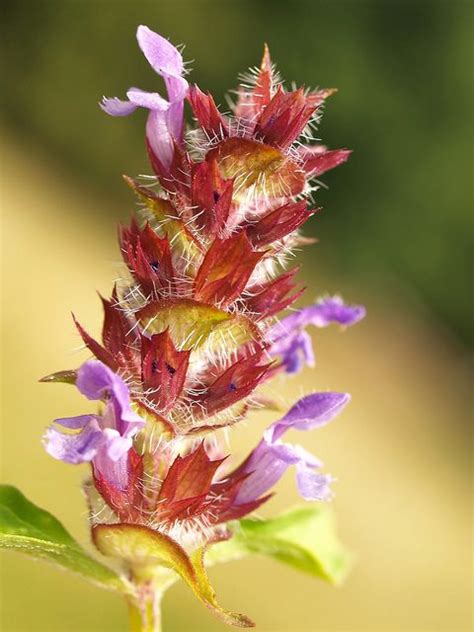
163 370
148 257
225 269
208 116
211 197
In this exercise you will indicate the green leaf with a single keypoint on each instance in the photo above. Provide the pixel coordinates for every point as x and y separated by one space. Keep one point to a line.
26 528
304 538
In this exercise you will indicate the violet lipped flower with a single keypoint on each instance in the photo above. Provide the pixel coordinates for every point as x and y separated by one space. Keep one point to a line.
272 457
103 439
292 343
165 119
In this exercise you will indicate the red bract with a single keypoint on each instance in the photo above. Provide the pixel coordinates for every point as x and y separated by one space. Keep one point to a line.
94 347
238 381
272 298
118 334
174 178
148 257
284 118
119 338
163 370
250 102
205 110
317 163
225 269
279 223
191 490
211 197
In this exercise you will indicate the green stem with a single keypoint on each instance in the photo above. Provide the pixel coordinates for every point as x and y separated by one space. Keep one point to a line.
145 610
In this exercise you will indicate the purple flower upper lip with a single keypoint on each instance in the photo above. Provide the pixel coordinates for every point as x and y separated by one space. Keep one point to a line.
165 120
103 439
292 343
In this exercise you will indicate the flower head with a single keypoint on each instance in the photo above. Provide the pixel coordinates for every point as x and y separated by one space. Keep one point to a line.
190 332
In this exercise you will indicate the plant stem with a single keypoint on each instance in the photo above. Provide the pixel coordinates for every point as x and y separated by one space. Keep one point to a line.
145 610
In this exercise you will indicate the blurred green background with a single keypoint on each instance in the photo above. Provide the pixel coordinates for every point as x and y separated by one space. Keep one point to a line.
395 234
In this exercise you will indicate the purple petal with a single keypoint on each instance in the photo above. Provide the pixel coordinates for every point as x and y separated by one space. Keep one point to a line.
309 412
162 56
174 119
334 310
166 60
115 471
267 464
106 439
289 340
176 86
97 381
149 100
295 351
117 107
165 121
75 423
271 458
159 136
321 314
312 485
74 448
115 445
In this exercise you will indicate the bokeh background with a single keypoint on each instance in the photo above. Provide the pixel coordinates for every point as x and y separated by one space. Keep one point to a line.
395 235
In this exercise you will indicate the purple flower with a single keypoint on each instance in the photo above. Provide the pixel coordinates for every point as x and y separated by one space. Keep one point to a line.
103 439
165 120
293 344
272 457
295 348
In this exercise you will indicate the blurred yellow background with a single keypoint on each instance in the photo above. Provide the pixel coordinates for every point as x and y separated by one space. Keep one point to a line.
401 451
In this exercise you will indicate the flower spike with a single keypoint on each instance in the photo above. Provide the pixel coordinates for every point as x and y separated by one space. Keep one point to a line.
196 327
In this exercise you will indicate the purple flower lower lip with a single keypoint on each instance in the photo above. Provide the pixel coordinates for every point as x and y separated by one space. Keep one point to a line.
149 100
271 458
117 107
103 439
74 448
293 344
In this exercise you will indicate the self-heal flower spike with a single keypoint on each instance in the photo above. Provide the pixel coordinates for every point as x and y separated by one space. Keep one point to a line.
194 329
